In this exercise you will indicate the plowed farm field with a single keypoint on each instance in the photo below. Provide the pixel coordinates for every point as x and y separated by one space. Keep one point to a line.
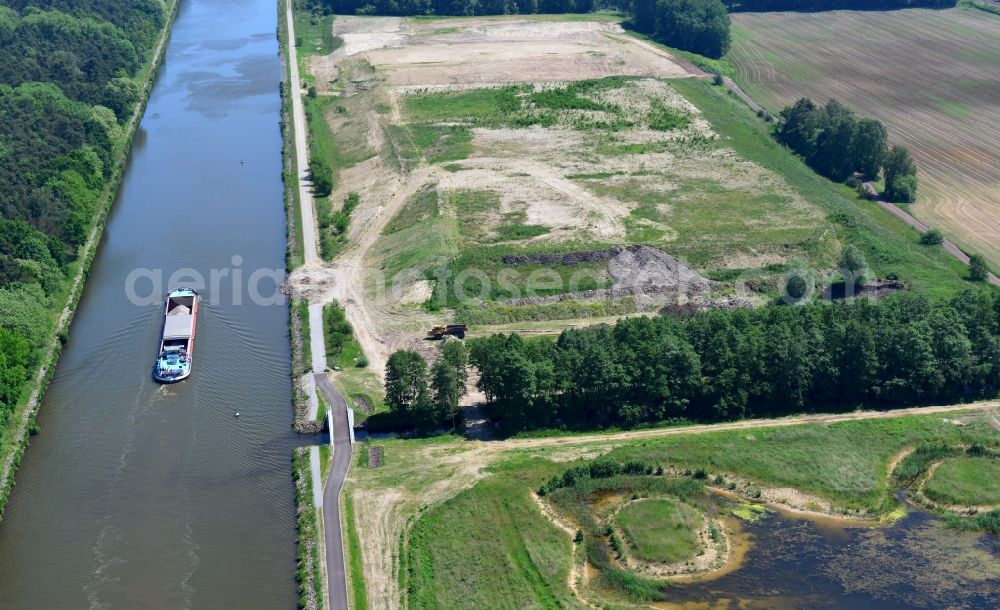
933 77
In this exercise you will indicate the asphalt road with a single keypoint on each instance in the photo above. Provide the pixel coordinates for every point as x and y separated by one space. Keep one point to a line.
337 575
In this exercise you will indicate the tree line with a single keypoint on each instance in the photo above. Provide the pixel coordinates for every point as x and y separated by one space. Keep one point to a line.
838 143
68 83
423 398
767 362
698 26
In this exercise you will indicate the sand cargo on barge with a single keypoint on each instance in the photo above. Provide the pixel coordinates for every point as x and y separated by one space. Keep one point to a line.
176 353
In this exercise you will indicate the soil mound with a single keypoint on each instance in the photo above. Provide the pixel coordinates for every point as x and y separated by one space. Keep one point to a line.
568 258
642 266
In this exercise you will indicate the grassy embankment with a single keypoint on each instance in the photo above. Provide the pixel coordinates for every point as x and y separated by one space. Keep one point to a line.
290 163
298 311
445 566
14 437
965 481
309 541
355 381
314 38
310 565
989 8
355 570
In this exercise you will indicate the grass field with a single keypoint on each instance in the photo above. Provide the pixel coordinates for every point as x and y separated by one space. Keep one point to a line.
515 556
660 530
844 463
965 481
428 486
930 76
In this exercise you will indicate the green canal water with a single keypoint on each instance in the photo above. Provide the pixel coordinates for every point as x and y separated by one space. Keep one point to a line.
139 495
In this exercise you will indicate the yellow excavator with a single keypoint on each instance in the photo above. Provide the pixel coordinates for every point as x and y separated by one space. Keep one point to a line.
442 331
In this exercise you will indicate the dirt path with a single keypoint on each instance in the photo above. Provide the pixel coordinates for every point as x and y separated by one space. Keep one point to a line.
741 425
348 272
574 578
692 69
740 93
901 214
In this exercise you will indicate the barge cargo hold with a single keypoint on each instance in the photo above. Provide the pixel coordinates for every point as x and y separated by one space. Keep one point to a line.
176 355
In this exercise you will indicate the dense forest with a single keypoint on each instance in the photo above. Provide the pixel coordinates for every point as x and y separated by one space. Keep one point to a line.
68 84
772 361
838 143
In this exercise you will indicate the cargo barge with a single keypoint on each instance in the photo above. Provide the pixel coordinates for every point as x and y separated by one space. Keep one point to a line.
176 354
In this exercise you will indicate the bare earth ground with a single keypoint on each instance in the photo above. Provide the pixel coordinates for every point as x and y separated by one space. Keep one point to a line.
387 499
459 52
538 172
491 50
930 76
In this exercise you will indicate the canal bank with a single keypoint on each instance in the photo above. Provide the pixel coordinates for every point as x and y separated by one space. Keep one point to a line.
140 495
26 414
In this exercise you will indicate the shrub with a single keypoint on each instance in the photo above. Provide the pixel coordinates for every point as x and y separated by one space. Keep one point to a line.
976 449
903 190
978 270
932 237
717 78
797 287
853 260
321 176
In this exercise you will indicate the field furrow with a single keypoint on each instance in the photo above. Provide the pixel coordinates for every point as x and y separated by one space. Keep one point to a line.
931 76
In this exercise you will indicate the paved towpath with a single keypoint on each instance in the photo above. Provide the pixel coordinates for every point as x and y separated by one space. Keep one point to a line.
341 435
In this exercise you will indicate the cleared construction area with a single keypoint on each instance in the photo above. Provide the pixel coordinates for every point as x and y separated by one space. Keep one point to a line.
468 140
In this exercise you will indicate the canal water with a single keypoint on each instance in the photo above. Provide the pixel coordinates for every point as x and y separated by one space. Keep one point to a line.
139 495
